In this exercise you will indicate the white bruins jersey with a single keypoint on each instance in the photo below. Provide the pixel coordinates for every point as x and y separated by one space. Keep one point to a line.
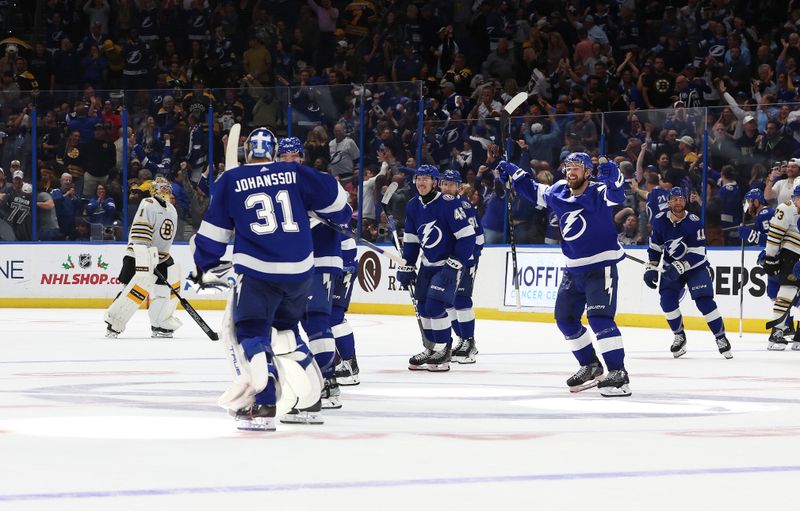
154 225
783 233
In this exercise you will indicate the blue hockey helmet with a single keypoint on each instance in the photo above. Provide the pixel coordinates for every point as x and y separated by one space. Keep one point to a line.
676 191
261 143
755 194
581 158
290 145
451 175
428 170
796 191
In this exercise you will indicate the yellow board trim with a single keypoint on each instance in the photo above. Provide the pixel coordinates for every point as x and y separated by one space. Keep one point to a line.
624 319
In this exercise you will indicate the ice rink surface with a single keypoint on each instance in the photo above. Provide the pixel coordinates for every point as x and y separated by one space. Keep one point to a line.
89 423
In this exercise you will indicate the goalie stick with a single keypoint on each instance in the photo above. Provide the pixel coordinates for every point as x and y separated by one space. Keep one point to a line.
189 309
387 195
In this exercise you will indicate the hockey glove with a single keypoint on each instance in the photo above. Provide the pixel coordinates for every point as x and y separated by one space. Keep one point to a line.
749 235
674 270
608 172
651 274
406 276
213 280
761 257
772 265
507 171
445 282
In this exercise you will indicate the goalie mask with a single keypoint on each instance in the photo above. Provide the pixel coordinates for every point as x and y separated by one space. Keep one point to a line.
160 188
261 143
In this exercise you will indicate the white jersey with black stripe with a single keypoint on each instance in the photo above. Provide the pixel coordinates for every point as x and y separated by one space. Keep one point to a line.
783 233
154 225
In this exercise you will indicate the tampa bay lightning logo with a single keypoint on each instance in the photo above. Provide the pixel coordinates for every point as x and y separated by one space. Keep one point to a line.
676 248
573 225
431 235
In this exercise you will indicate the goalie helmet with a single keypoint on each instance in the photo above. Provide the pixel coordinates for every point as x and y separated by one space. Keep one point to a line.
261 143
160 188
290 145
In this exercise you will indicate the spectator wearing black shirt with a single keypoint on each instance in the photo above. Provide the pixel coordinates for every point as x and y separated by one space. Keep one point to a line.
100 160
658 85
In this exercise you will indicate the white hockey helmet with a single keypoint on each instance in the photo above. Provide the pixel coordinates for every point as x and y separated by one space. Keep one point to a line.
261 143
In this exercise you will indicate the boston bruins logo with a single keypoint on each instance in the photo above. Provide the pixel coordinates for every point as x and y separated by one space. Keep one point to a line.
167 229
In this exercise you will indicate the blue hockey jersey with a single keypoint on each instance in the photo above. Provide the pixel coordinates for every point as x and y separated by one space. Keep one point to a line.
588 232
656 202
682 240
267 206
349 252
758 233
730 205
472 218
440 228
327 247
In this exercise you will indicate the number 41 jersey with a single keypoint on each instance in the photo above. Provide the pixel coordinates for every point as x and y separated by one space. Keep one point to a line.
684 240
267 205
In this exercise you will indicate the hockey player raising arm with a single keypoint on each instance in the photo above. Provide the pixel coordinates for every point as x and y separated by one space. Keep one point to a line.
266 203
782 253
437 226
678 236
591 252
150 239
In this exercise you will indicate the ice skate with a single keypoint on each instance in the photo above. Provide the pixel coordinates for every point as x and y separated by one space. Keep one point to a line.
157 333
777 342
331 395
347 372
465 352
678 347
110 332
439 361
615 384
419 362
586 377
724 346
256 418
310 415
790 331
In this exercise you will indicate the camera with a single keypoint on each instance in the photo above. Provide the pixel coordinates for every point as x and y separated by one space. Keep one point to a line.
382 231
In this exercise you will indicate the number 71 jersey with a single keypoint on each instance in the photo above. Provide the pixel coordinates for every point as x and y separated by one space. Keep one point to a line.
684 240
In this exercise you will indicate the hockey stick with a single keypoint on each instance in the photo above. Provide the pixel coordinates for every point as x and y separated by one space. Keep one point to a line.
512 105
232 147
189 309
387 195
350 234
741 276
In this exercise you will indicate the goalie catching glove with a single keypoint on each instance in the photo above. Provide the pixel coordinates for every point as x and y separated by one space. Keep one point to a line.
215 279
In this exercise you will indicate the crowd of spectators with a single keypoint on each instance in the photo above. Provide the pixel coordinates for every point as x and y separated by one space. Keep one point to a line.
161 82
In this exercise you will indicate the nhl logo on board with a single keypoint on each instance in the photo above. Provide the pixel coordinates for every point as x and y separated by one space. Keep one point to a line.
369 271
85 260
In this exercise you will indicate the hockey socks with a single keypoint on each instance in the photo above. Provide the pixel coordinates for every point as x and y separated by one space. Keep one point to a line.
675 320
345 342
580 342
609 340
712 315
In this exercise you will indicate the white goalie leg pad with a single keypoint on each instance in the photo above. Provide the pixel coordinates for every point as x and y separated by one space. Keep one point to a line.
163 304
300 376
135 292
247 380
